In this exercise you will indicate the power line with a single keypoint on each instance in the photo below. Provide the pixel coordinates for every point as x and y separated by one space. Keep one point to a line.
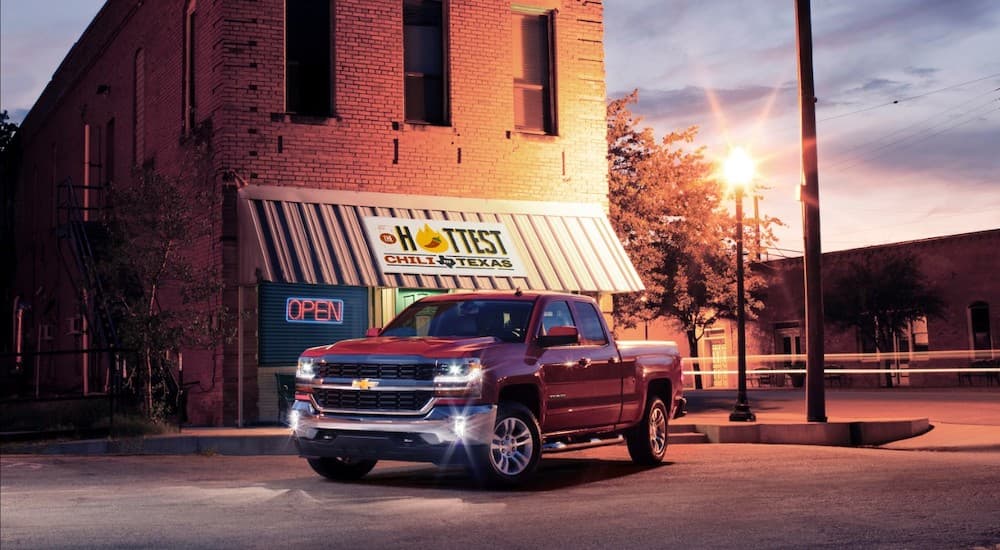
911 98
921 137
918 123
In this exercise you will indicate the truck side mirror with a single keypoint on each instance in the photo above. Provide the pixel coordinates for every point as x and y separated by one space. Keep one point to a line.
559 336
373 332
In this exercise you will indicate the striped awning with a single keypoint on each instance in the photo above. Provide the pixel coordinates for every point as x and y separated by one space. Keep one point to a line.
314 236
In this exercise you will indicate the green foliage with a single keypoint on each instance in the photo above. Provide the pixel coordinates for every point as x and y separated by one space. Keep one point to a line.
670 213
160 231
879 294
7 131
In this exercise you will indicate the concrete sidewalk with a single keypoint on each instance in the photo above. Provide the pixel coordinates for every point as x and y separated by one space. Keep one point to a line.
899 419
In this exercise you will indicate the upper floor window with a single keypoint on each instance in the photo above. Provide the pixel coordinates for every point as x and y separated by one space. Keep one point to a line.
189 67
534 100
426 87
308 55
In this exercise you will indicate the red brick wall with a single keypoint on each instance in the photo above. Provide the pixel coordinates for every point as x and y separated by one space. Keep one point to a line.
355 150
240 92
962 267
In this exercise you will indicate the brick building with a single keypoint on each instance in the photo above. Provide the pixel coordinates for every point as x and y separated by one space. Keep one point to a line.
962 268
345 135
963 271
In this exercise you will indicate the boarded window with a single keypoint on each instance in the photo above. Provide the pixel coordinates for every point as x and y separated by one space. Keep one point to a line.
533 97
308 54
426 87
979 325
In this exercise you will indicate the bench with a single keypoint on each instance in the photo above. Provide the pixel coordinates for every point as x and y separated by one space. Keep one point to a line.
988 376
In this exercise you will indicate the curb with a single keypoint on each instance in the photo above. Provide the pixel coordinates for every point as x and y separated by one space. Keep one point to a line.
840 434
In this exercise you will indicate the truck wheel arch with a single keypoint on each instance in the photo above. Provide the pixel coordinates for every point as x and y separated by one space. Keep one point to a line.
525 394
662 388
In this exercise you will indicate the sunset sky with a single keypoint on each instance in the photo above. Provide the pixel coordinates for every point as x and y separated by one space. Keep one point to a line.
908 110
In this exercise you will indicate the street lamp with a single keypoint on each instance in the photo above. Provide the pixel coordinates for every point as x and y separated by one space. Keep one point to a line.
738 171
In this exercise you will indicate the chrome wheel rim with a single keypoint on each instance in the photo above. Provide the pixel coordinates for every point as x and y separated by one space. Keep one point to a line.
657 431
512 446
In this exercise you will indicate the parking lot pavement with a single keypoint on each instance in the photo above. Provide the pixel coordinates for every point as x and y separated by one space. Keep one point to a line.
955 419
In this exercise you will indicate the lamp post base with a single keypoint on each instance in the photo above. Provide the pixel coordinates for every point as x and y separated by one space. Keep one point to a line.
742 413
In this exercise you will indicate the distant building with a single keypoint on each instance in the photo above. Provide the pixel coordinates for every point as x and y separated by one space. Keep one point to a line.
341 132
964 269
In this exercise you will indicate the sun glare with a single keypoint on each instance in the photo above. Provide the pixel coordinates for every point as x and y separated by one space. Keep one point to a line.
738 168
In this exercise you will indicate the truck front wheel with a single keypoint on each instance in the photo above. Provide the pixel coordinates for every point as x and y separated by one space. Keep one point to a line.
514 449
647 441
341 469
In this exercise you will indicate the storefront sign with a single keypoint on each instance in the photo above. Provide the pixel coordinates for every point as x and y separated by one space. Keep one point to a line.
293 317
314 310
442 247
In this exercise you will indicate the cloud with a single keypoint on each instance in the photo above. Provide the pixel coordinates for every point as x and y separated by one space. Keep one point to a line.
921 72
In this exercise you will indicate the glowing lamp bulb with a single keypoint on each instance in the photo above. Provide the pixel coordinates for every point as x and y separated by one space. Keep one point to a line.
738 168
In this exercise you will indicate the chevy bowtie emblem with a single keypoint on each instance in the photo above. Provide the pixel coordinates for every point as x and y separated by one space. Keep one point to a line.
364 384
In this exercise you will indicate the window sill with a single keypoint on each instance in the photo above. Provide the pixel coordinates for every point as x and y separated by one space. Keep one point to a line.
536 135
421 126
313 120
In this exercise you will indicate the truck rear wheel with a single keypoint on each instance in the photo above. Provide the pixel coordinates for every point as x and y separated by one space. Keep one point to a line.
647 441
341 469
514 450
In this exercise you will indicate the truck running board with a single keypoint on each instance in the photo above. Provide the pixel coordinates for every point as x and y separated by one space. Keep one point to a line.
563 447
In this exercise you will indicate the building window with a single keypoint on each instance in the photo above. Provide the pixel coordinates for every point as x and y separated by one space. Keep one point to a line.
979 327
426 87
189 68
138 109
109 153
308 55
534 110
918 335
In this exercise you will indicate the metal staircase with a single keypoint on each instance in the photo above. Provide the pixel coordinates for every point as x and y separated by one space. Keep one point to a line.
79 232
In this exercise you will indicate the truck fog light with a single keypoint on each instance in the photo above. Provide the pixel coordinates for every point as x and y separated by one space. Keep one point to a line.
293 419
459 426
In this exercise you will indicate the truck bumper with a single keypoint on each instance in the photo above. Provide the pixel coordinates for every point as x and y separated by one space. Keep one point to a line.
445 435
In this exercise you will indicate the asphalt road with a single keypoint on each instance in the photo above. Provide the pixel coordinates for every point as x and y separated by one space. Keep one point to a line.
706 496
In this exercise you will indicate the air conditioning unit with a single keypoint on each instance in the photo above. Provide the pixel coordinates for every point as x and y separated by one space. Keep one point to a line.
75 324
45 331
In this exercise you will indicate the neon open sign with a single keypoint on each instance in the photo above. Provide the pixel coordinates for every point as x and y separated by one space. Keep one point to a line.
314 310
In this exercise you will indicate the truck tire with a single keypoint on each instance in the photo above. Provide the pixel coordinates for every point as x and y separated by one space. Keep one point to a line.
341 469
512 455
647 441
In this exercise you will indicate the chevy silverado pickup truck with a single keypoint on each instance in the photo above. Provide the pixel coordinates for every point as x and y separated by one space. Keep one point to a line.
487 380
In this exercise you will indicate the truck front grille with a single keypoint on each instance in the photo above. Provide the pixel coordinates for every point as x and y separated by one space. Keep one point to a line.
367 400
417 371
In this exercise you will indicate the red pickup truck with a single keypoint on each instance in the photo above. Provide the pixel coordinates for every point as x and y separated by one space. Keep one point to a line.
488 380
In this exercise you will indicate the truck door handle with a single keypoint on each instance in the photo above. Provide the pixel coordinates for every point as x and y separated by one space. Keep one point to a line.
584 362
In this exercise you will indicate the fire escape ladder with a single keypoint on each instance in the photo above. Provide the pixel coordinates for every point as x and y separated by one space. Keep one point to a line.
77 230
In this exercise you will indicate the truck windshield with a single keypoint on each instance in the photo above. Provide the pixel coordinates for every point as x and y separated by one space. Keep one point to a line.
503 319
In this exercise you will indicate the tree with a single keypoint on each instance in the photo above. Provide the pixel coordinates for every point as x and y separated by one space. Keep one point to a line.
667 208
10 164
879 295
155 226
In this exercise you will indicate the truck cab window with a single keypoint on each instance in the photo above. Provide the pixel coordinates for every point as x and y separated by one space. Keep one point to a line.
591 329
556 314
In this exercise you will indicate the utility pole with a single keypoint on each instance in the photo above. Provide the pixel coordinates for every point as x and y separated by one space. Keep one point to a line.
815 398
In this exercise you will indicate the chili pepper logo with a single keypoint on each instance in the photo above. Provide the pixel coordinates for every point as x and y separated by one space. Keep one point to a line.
431 240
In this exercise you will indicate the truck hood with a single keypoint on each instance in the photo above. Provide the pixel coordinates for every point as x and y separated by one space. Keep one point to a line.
396 345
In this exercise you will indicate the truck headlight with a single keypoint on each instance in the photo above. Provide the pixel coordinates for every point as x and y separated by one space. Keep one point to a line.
305 370
459 378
